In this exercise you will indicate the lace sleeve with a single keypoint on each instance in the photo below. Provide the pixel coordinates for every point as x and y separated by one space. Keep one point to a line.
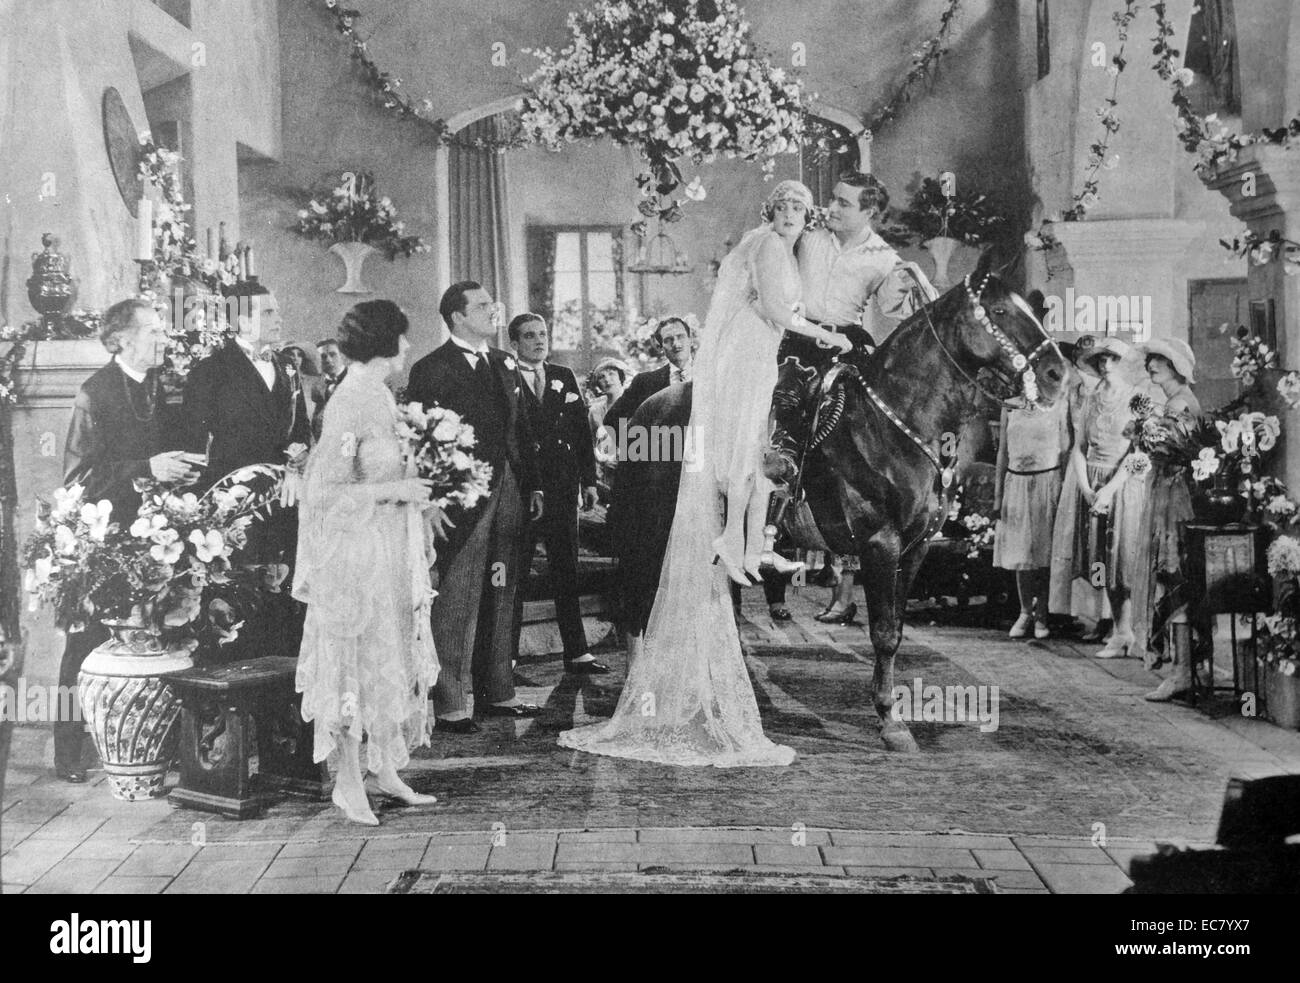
776 298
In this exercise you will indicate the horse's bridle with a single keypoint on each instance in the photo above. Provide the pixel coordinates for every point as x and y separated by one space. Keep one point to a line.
1022 363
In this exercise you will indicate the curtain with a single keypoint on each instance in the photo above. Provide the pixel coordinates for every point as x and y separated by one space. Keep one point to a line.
1221 39
541 272
480 208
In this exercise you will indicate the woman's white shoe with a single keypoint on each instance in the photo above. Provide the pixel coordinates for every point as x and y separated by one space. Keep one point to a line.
1116 646
1021 628
1041 630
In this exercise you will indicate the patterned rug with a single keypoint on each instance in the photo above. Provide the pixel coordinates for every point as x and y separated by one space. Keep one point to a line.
1074 748
665 882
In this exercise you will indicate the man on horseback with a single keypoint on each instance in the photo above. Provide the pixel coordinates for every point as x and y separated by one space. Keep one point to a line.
842 267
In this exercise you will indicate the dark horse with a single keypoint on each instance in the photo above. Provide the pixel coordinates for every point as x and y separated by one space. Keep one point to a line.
875 484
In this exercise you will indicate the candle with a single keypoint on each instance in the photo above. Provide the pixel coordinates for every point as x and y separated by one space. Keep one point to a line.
223 247
948 184
248 258
144 230
212 244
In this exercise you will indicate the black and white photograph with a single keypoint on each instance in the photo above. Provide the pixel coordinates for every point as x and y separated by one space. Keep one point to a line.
650 447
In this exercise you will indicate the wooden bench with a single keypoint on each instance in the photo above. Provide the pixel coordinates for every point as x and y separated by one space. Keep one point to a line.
243 740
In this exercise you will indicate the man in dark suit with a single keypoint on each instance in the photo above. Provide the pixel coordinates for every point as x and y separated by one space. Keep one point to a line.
566 463
673 336
120 427
478 563
333 367
243 408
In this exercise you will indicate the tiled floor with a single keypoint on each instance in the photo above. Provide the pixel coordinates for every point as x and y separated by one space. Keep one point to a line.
60 838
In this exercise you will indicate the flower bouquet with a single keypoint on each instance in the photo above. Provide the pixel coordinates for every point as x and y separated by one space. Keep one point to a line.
170 570
968 217
354 212
439 443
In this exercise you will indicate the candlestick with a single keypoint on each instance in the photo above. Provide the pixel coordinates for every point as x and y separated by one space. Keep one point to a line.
144 230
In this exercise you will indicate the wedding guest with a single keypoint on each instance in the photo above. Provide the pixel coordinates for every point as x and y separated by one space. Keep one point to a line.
1171 365
367 658
1070 596
120 431
1031 456
609 378
243 407
673 337
240 405
1107 510
333 369
566 465
478 565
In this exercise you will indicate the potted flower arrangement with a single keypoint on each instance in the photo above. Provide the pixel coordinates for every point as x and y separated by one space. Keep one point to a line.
164 586
940 220
356 221
1277 648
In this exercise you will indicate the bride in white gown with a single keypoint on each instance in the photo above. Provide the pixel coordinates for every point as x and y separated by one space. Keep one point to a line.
688 699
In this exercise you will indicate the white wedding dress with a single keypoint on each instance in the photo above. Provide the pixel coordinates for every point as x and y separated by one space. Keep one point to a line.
688 698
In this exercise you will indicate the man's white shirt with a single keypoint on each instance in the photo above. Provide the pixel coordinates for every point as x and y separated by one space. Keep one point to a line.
839 281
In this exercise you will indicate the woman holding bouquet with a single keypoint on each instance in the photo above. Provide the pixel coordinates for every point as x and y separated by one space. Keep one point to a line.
367 660
1170 365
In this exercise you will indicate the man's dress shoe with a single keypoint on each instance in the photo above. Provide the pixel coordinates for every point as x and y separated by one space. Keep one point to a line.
466 726
518 710
591 668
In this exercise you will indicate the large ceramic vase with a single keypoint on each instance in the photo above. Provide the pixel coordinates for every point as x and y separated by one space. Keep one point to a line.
1219 504
941 248
131 708
354 256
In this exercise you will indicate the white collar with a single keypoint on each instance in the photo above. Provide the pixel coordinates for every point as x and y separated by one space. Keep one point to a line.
465 345
525 367
127 371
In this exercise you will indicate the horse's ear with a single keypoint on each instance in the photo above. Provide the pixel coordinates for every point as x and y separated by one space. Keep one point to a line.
983 268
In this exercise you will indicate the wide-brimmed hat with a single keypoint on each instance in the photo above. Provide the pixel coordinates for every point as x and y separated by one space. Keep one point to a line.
1178 352
1107 345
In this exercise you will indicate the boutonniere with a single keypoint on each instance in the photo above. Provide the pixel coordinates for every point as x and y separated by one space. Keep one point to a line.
570 397
510 363
557 385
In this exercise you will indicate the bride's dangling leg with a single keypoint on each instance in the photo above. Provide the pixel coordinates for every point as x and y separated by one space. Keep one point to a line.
730 545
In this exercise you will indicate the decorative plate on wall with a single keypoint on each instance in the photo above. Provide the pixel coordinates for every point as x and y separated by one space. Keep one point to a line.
122 141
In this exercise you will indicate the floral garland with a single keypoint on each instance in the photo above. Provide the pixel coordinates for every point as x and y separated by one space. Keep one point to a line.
388 87
924 59
679 79
1098 158
353 212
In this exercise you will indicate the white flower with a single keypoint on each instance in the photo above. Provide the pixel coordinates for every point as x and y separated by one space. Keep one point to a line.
147 525
66 501
570 397
1284 556
1184 77
1206 463
510 363
695 190
446 431
65 541
167 546
557 385
209 545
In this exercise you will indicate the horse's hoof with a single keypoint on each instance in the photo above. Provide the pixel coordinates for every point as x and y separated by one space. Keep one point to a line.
898 738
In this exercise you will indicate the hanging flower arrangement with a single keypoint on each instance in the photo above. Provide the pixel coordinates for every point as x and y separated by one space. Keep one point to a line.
679 80
354 212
